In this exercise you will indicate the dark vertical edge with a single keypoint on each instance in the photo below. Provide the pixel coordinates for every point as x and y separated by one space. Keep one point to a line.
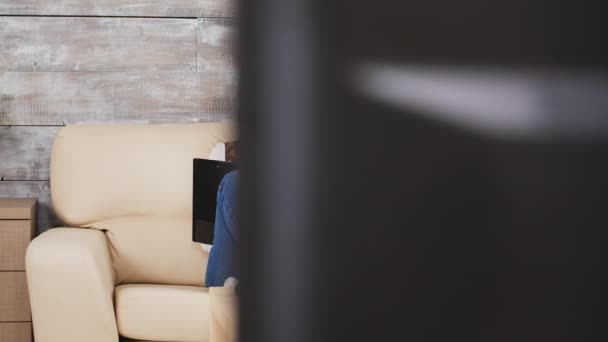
279 111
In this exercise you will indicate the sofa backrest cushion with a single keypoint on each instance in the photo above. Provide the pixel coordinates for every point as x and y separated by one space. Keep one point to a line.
100 172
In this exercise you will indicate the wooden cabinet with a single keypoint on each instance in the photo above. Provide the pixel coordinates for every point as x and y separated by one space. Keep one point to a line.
15 331
17 228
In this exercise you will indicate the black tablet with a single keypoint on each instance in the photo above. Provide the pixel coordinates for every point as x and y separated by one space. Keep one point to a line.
208 175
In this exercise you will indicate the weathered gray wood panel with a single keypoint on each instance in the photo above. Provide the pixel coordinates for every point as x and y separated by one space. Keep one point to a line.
97 44
216 44
25 152
99 68
46 217
56 98
137 8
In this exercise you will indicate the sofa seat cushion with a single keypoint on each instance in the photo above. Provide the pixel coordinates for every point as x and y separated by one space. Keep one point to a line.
163 312
154 250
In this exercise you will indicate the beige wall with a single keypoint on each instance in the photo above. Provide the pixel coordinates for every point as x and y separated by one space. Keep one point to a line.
82 61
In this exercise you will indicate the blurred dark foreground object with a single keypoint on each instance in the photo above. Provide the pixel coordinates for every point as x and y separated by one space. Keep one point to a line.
424 171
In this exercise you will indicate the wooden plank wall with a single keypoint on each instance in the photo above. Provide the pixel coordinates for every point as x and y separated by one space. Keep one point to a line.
90 61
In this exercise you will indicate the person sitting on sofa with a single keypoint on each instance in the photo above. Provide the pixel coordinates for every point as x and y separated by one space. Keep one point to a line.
221 268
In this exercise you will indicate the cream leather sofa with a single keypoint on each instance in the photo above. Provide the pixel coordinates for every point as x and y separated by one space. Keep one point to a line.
128 265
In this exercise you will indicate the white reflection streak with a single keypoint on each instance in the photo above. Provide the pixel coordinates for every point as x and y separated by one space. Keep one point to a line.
507 104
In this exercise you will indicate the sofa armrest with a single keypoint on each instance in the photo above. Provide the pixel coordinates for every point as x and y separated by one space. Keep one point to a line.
71 286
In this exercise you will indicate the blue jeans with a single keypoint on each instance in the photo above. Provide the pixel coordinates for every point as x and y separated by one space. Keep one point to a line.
221 259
